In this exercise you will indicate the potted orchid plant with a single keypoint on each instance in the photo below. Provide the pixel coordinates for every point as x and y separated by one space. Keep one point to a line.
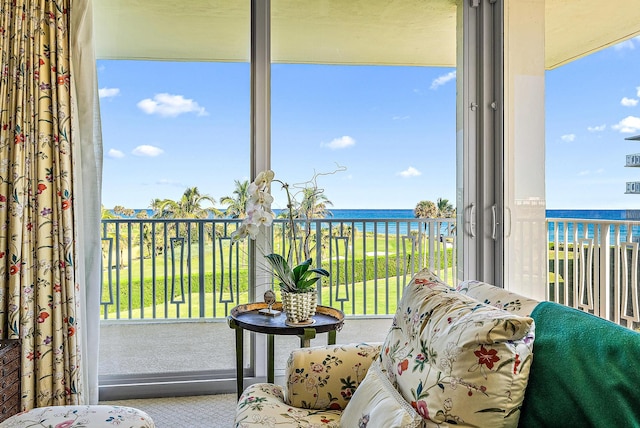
297 279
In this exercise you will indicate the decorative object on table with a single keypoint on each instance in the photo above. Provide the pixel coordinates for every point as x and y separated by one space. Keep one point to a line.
297 288
269 299
297 283
299 307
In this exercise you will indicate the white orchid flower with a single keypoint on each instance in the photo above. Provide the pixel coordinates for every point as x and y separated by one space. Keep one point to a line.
253 189
264 178
252 230
261 217
262 199
240 233
250 212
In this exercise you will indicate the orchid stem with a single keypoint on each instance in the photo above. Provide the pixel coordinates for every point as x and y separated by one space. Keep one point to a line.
292 231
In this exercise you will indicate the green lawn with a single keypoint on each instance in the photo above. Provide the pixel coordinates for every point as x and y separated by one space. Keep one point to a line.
151 291
386 302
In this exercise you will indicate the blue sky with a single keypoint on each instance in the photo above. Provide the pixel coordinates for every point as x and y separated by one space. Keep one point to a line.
168 126
592 105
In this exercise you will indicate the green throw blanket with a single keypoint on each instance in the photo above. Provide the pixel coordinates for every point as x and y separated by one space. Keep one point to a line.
585 372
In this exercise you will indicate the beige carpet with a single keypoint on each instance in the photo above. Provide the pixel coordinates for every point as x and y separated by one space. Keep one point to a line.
205 411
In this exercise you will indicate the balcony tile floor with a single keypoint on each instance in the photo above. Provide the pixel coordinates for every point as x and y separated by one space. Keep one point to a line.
144 348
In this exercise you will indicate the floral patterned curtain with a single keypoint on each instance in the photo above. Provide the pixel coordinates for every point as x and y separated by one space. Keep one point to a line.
39 294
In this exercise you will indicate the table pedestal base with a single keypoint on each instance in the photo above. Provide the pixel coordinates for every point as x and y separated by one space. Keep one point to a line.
250 317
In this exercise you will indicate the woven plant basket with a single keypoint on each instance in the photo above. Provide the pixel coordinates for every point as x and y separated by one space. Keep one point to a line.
299 307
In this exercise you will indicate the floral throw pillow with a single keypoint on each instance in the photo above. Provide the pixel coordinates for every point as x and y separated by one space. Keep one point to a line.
377 404
325 377
498 297
457 360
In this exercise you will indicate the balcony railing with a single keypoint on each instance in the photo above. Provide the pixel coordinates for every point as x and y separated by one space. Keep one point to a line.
179 269
188 269
593 266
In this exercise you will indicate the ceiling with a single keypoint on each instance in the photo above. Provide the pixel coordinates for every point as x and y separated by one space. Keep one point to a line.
380 32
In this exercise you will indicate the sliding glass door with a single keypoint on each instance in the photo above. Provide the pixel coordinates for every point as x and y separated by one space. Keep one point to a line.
175 95
363 125
391 110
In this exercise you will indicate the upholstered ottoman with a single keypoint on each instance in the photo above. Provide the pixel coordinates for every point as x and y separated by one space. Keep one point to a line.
80 416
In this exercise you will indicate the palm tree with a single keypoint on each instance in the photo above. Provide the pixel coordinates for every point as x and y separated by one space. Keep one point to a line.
189 206
122 211
425 209
313 205
236 205
107 214
445 209
155 207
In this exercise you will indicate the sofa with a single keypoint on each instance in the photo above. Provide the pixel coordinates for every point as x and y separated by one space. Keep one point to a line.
474 356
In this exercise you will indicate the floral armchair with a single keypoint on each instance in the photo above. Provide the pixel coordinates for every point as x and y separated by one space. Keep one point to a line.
448 359
320 383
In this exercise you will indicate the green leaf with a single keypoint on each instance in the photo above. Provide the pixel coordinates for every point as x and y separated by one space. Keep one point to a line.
301 269
491 410
319 271
281 270
515 409
504 363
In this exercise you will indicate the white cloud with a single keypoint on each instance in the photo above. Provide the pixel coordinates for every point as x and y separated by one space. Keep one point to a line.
629 102
410 172
400 117
439 81
167 105
167 182
108 92
589 172
627 44
628 125
568 138
638 89
115 154
340 143
147 150
597 128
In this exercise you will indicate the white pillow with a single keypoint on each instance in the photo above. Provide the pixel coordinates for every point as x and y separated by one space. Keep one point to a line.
376 403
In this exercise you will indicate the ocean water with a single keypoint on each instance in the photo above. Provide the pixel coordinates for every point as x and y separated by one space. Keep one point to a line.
617 215
405 214
399 213
408 213
388 214
591 214
380 215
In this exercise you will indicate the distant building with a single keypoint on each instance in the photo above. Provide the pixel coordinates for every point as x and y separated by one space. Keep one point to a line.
633 187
